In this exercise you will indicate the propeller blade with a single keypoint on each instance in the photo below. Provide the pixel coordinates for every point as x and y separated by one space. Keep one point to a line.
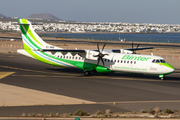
132 45
98 62
102 61
95 55
98 47
136 49
137 46
100 55
103 47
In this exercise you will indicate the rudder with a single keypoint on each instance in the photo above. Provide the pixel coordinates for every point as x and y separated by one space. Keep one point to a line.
30 39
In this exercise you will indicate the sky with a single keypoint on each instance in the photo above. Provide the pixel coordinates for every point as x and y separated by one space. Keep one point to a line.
130 11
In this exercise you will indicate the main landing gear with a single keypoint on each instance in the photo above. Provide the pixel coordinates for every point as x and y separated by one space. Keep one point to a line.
88 72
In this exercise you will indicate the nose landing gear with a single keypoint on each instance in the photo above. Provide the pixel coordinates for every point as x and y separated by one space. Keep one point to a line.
162 77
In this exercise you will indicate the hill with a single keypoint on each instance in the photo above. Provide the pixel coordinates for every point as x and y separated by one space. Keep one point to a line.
43 16
2 16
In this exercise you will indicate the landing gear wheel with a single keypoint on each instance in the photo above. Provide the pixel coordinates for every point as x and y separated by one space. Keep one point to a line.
87 73
162 78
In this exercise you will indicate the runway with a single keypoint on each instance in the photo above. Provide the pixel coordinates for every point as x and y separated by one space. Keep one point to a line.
44 89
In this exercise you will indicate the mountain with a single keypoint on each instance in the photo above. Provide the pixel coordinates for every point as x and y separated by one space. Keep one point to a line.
2 16
43 16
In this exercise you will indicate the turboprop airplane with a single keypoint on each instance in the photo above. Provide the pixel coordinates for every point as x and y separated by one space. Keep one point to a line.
91 61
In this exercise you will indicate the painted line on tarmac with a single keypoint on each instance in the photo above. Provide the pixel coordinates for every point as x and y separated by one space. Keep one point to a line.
131 102
5 74
39 76
33 70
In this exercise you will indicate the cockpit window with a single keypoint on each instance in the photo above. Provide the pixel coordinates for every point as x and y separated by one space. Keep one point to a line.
163 61
158 61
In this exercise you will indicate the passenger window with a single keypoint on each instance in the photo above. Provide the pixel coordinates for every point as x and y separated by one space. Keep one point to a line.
114 60
131 62
108 60
64 56
157 61
76 58
121 61
153 61
111 60
127 61
79 58
104 60
118 61
61 56
124 61
70 57
134 62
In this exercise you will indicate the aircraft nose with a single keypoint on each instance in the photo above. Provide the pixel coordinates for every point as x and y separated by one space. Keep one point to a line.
169 68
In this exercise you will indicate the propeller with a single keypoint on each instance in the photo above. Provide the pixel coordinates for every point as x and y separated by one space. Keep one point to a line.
134 49
100 55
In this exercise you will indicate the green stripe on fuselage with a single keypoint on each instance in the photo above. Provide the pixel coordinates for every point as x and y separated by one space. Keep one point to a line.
166 64
79 64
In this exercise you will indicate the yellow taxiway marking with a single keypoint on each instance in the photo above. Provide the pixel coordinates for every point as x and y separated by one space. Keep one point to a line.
4 74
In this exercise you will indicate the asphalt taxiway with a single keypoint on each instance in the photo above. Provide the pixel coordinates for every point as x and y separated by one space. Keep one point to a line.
31 86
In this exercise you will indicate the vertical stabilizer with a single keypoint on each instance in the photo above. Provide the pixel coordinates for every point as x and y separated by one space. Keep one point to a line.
30 39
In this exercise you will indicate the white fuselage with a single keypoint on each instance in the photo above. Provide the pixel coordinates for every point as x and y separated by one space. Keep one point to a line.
120 62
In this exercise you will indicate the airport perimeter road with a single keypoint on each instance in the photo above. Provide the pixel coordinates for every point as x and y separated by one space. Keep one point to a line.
29 86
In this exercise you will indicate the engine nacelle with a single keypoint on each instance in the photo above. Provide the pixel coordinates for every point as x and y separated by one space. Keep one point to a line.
126 51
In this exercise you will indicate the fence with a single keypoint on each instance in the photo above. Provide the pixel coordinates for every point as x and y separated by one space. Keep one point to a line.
11 46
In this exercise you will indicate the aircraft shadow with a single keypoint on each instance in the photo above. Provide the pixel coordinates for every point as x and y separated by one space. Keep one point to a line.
113 74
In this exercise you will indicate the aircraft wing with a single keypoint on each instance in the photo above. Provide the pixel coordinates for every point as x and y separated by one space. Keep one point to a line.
84 51
142 48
